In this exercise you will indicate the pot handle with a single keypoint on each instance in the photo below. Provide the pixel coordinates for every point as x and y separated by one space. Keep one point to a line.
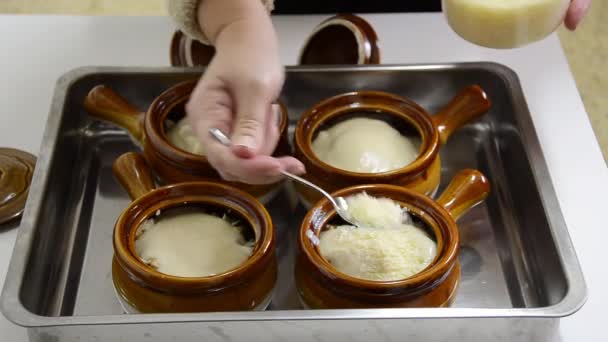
469 104
133 174
467 189
105 104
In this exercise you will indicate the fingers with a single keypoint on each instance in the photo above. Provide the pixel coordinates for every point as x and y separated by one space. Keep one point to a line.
256 170
576 12
209 107
250 125
292 165
271 139
252 130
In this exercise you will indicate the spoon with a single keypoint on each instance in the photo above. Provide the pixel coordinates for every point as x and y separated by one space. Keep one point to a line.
339 203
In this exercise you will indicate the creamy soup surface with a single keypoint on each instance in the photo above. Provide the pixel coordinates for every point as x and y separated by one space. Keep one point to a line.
182 136
365 145
384 246
192 244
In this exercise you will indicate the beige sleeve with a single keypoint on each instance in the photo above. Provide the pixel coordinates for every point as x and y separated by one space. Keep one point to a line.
184 14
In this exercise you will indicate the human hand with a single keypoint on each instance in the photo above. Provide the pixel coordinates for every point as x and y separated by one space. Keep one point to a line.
235 95
576 12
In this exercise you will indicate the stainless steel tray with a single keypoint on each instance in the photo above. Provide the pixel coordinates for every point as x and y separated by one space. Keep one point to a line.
519 269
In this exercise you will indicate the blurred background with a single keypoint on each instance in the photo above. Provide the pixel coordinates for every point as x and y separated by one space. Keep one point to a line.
586 49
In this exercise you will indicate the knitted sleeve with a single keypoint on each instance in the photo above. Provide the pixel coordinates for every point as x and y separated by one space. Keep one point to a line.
184 14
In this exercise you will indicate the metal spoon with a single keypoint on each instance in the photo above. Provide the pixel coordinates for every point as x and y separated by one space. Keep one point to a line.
339 203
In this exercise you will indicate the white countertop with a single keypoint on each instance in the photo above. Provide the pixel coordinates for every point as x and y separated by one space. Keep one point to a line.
36 50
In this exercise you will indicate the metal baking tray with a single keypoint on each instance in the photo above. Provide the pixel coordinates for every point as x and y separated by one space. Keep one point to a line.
520 273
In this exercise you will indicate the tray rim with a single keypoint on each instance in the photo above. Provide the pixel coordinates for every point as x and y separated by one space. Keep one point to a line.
574 299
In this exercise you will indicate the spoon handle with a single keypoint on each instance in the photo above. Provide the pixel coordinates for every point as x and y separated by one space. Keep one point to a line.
314 186
220 136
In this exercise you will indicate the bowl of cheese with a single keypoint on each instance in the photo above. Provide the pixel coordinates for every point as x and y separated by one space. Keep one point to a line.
402 252
190 247
501 24
170 145
368 137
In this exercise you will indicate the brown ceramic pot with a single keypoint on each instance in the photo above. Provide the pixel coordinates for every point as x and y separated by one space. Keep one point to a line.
321 286
188 52
422 175
171 164
16 171
145 290
341 39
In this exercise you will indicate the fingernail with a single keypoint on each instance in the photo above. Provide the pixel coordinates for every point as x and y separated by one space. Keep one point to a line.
301 169
298 169
243 151
245 142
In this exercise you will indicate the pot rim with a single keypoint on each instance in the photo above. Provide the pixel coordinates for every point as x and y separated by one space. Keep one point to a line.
145 207
443 262
401 107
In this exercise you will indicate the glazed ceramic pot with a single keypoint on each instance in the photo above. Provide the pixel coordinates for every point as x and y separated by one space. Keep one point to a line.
169 163
341 39
16 171
143 289
433 131
321 286
188 52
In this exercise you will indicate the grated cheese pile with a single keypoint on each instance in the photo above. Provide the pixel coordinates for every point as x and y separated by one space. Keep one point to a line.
385 246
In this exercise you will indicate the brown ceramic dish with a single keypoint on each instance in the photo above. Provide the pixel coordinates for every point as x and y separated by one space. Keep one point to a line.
342 39
187 52
321 286
16 170
170 164
145 290
422 175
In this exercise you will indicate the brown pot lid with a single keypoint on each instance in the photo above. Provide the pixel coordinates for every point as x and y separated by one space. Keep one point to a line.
16 170
342 39
187 52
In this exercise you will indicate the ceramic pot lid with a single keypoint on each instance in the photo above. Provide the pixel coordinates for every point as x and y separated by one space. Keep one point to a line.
16 170
342 39
187 52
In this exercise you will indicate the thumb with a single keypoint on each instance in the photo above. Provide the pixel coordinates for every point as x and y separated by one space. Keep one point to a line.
252 107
